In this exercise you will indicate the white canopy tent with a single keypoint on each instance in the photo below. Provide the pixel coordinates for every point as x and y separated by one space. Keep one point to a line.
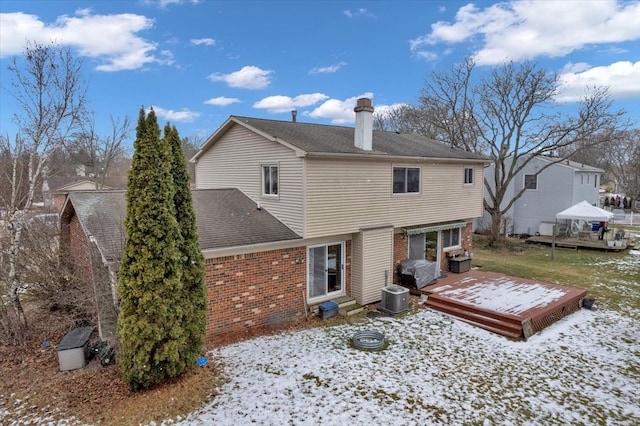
585 211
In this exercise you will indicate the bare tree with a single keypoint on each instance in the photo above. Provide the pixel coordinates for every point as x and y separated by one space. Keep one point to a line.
49 90
452 104
591 153
99 152
407 119
510 116
190 146
623 156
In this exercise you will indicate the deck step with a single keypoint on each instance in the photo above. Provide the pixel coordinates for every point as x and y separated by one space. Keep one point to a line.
477 310
504 326
351 309
344 301
475 317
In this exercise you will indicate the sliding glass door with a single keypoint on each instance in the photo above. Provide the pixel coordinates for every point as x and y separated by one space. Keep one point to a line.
325 270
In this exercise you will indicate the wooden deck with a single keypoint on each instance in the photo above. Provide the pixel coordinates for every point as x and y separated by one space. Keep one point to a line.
578 243
512 307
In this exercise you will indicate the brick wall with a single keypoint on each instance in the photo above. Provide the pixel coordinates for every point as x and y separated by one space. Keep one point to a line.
79 248
466 242
259 290
400 252
467 237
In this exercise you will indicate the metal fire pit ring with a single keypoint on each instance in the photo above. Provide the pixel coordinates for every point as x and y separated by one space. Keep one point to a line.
368 340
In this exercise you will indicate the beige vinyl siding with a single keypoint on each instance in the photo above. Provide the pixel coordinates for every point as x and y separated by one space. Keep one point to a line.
372 255
344 196
235 161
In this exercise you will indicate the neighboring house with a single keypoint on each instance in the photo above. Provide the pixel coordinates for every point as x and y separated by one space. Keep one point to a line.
555 188
56 188
353 202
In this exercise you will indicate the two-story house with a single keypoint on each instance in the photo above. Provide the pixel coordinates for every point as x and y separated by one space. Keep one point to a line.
550 186
356 202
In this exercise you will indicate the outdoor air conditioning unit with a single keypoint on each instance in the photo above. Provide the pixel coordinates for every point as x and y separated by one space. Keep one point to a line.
395 299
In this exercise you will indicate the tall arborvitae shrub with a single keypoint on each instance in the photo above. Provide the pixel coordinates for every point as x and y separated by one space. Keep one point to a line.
193 288
152 309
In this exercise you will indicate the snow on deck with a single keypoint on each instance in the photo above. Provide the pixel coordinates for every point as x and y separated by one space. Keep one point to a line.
502 294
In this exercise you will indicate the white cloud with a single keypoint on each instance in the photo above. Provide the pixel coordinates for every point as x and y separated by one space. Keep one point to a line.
203 41
165 3
525 29
277 104
249 77
222 101
427 55
111 39
339 112
183 116
327 70
383 110
622 78
358 12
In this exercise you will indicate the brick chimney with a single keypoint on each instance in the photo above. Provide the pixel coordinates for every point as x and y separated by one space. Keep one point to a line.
364 124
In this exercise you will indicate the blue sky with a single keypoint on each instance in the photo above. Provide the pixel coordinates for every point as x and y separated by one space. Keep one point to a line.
197 62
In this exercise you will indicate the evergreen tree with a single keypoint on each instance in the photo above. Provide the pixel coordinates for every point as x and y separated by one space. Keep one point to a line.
194 297
152 315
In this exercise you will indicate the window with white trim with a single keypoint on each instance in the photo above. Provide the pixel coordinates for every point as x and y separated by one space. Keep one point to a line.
468 175
270 180
451 238
531 182
406 180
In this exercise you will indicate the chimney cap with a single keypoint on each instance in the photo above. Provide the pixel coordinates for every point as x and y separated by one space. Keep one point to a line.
363 104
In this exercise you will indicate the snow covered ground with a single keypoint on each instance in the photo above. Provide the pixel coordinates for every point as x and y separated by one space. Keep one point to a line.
584 369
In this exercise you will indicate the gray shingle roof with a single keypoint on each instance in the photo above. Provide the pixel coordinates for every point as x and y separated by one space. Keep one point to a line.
578 167
225 218
326 139
56 183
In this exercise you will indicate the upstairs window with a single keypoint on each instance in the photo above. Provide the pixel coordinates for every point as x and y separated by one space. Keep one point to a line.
270 180
406 180
468 175
531 182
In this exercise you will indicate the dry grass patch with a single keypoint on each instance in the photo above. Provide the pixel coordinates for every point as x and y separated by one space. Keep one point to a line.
33 388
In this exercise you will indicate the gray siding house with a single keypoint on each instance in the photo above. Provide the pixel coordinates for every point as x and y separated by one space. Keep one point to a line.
550 188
